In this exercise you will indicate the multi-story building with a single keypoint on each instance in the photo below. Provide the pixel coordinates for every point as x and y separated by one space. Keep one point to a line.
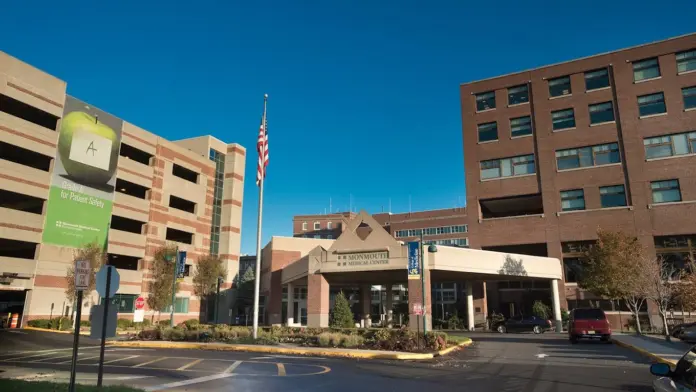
554 153
441 227
186 192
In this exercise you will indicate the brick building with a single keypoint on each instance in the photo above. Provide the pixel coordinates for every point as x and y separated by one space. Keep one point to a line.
188 192
553 153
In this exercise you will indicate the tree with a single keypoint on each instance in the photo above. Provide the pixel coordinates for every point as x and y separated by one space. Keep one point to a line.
541 310
245 290
686 289
96 257
162 270
611 270
662 288
342 316
205 276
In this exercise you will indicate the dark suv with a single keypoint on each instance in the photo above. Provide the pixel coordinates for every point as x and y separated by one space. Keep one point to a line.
588 323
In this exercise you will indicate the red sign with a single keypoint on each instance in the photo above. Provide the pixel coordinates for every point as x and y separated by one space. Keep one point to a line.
418 309
140 303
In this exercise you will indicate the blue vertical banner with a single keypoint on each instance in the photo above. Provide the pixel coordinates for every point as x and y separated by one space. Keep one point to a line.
414 262
180 264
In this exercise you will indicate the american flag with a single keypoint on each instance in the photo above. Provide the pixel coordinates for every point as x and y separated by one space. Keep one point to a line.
262 148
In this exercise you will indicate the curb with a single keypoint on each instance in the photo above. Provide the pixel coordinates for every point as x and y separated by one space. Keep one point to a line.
645 353
450 349
83 333
286 350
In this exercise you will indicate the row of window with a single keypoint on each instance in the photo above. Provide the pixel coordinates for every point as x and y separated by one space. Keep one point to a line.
317 226
432 231
597 79
460 242
648 105
665 191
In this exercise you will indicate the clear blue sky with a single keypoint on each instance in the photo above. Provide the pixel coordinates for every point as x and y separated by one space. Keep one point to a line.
363 95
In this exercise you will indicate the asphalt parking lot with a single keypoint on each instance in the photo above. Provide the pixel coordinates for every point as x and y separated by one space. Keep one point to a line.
510 362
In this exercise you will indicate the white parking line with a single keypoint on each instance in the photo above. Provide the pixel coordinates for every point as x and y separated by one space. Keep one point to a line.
27 356
121 359
189 382
232 367
188 365
281 369
149 362
51 358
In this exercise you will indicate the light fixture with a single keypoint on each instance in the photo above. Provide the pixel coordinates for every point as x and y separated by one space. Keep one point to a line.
432 248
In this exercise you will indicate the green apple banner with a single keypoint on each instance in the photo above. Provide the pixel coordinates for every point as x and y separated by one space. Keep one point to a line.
84 174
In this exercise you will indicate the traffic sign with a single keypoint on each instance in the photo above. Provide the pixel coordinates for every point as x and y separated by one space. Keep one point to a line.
418 309
82 274
139 303
138 316
101 281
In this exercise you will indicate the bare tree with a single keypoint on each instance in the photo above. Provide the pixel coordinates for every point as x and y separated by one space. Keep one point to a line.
686 289
662 287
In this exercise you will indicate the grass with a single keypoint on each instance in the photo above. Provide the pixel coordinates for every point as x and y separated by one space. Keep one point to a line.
456 339
7 385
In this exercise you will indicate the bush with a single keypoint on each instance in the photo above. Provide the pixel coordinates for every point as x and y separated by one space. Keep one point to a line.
191 324
150 334
163 323
62 323
40 323
124 323
541 310
350 341
173 334
85 323
455 322
330 339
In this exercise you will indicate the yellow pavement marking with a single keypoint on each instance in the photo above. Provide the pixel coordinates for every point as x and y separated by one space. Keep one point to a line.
281 369
188 365
232 367
121 359
149 362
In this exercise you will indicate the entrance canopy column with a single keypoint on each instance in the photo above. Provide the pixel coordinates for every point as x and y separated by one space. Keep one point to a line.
470 305
555 299
389 305
317 301
291 305
366 302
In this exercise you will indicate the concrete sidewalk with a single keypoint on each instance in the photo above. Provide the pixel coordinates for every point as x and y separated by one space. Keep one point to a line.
652 347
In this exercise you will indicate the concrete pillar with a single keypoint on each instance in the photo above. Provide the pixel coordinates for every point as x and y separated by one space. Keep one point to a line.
415 293
389 305
556 301
470 305
291 305
317 301
366 302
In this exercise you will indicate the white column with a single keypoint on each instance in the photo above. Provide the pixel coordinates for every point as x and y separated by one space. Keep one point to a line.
291 305
556 301
389 305
470 305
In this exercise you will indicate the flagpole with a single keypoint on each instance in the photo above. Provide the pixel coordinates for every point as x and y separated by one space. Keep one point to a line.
257 275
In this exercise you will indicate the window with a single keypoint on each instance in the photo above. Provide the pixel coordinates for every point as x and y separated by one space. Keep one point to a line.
646 69
612 196
488 132
328 225
317 225
507 167
181 305
595 80
184 173
304 226
521 126
559 87
22 202
134 154
518 95
573 158
131 189
665 191
125 303
670 145
573 200
178 236
485 101
329 237
432 231
563 119
219 159
27 112
601 113
685 372
651 104
317 236
573 269
686 61
126 224
182 204
689 95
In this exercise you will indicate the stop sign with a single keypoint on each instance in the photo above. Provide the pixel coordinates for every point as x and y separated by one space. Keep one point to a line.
140 303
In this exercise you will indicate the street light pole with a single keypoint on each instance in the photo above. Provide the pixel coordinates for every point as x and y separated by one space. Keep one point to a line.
217 296
422 277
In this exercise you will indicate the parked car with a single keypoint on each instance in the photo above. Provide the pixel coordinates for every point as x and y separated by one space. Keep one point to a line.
688 334
682 378
588 323
524 324
676 330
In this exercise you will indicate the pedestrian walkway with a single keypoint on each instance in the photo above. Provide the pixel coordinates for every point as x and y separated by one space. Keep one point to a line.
658 350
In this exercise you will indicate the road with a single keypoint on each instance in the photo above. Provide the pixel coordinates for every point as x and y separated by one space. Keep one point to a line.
520 362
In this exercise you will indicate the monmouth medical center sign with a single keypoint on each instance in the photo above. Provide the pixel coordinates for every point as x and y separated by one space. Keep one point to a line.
363 259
